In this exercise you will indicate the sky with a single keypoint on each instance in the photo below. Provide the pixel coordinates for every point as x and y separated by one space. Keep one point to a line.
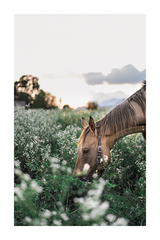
82 57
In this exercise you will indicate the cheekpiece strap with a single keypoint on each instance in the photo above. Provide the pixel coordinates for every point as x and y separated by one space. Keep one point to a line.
99 143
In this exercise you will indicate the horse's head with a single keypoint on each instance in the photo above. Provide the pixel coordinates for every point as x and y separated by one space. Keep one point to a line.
93 152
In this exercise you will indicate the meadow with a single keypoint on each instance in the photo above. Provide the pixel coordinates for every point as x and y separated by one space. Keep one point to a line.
46 194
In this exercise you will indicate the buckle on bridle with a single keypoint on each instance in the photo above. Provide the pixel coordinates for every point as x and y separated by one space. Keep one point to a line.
99 149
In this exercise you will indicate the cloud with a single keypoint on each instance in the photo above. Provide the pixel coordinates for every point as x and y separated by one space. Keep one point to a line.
94 78
127 74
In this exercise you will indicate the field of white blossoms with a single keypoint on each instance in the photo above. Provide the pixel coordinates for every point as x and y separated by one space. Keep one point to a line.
46 194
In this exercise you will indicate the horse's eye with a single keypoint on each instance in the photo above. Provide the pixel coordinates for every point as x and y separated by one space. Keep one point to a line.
85 151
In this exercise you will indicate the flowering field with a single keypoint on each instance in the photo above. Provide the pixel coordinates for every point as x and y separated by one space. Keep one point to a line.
45 147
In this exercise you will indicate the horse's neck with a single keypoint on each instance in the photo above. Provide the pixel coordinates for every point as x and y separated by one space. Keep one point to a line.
115 137
136 125
140 116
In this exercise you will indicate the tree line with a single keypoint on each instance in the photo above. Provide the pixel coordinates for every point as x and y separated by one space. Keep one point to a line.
27 89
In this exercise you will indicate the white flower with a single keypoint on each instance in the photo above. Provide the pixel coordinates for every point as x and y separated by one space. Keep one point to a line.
54 160
63 168
80 200
76 200
120 222
90 203
86 216
23 185
35 186
69 170
103 224
59 203
36 138
26 177
56 222
111 217
55 166
46 213
102 182
16 163
28 219
100 210
96 192
31 144
18 191
95 175
54 212
86 167
44 180
64 162
64 216
17 171
91 192
43 222
105 158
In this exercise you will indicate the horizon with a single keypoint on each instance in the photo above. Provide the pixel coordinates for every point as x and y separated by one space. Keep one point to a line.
77 57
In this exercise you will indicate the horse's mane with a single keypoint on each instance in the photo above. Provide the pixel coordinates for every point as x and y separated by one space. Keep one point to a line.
121 116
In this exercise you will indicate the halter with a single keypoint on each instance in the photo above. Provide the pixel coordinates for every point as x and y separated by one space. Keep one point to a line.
99 160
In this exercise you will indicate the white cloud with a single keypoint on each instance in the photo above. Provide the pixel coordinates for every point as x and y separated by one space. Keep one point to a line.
127 74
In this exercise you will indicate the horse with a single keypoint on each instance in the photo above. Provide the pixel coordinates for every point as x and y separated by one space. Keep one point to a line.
98 138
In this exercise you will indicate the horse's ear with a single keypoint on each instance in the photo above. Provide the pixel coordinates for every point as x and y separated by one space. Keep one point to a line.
84 122
92 124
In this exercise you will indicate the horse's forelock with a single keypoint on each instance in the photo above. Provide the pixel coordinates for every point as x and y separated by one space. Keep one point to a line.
83 136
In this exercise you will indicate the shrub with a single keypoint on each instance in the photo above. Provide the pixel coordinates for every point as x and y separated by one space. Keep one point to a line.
44 203
127 175
46 193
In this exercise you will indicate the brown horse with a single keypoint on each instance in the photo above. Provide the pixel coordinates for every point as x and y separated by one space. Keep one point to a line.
98 138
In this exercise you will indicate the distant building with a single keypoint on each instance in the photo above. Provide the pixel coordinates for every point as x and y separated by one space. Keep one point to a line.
109 104
20 103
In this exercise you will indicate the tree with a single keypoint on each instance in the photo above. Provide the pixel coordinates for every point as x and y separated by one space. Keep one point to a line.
50 100
26 88
44 100
92 105
39 101
66 107
25 97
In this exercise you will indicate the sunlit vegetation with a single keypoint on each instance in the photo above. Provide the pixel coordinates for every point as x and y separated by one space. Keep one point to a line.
45 149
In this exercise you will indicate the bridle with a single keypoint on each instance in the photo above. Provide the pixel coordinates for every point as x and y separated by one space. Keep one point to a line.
99 161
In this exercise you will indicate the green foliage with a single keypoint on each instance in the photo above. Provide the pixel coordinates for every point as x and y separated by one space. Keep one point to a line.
66 106
25 88
44 100
45 144
92 105
22 96
128 174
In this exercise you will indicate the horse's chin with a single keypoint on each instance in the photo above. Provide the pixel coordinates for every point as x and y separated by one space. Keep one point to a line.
84 179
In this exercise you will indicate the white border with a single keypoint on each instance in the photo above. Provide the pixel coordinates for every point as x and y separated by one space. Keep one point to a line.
8 9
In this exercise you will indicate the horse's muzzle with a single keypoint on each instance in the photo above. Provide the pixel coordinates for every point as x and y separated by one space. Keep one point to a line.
83 178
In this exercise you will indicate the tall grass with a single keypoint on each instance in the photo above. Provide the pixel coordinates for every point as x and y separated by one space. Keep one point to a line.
45 144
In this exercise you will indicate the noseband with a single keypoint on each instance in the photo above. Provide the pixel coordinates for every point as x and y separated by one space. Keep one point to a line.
99 160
